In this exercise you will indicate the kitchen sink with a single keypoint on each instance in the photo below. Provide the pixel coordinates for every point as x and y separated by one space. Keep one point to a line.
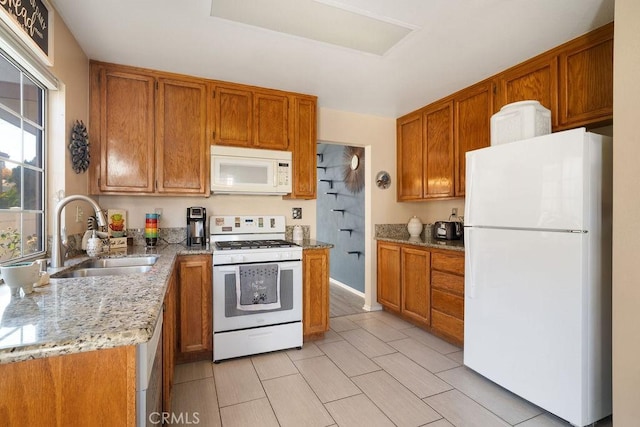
102 271
109 267
119 262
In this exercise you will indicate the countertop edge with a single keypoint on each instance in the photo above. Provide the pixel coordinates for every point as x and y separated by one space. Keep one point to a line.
451 245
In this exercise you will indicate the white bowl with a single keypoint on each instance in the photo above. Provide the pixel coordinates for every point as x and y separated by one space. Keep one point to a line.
20 275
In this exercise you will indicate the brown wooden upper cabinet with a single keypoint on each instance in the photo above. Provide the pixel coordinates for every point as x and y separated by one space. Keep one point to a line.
122 116
473 111
586 80
271 121
573 80
233 116
303 146
152 133
409 157
437 155
182 146
153 130
251 119
532 80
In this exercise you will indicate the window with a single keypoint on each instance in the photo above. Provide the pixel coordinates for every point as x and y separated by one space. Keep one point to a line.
22 185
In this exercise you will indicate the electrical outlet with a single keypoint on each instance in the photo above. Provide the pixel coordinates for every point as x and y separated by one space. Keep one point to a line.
296 213
79 214
454 211
158 211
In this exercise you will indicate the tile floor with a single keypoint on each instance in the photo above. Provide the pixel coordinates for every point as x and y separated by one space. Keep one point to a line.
371 369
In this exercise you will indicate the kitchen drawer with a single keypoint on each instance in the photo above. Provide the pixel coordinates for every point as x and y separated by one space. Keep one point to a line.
447 325
448 282
450 263
447 303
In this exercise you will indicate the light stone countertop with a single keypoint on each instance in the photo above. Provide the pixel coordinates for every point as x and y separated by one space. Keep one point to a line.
397 233
91 313
83 314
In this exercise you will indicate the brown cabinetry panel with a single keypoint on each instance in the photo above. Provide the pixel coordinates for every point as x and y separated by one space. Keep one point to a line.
153 130
195 306
76 389
429 297
270 121
447 282
416 265
315 310
447 303
586 79
447 294
410 155
389 279
234 116
532 80
448 325
473 111
451 263
181 137
122 114
438 151
303 147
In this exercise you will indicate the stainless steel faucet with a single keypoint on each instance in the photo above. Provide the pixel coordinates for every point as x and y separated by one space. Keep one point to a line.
58 251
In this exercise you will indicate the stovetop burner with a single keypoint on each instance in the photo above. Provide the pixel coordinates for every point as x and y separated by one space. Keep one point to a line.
254 244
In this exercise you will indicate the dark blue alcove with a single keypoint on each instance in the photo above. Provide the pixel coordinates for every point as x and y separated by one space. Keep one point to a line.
342 210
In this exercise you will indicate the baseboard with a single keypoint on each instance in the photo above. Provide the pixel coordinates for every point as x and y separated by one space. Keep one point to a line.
346 287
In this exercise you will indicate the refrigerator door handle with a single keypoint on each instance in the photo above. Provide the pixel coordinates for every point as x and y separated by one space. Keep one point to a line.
469 276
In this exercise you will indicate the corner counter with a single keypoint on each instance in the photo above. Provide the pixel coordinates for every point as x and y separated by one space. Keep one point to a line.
83 314
397 233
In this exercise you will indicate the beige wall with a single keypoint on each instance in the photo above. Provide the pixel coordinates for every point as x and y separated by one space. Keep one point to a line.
69 103
378 135
626 206
174 209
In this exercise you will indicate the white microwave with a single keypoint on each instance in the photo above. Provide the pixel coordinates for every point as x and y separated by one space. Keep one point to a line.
237 170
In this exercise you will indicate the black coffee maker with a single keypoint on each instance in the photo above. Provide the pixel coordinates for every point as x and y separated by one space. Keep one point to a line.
196 226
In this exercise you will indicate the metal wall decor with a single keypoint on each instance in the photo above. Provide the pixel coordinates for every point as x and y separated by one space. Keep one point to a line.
354 169
79 147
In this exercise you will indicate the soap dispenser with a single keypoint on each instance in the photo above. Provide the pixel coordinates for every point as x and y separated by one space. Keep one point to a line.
94 245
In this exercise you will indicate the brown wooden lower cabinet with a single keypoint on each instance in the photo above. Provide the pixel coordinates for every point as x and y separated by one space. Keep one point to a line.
424 286
389 276
416 284
94 388
315 293
194 309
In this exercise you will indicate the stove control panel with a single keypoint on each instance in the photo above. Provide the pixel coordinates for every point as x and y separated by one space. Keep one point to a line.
257 256
254 224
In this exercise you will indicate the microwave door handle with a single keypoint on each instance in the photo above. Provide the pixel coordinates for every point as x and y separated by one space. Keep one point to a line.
275 174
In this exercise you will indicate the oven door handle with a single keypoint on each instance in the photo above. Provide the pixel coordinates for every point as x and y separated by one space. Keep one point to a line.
282 265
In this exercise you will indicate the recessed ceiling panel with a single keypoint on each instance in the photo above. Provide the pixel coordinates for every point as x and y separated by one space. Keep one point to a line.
316 21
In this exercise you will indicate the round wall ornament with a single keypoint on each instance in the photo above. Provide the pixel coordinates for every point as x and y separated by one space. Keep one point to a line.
79 147
353 168
383 180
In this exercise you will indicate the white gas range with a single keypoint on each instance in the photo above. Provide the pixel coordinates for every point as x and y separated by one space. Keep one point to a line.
257 286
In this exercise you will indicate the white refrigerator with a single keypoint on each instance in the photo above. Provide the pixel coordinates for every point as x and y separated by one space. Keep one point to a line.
537 316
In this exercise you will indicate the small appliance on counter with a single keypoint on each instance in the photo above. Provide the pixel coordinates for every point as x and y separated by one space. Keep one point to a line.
196 226
448 230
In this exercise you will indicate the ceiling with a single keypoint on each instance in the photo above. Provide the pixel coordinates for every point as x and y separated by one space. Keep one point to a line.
454 43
